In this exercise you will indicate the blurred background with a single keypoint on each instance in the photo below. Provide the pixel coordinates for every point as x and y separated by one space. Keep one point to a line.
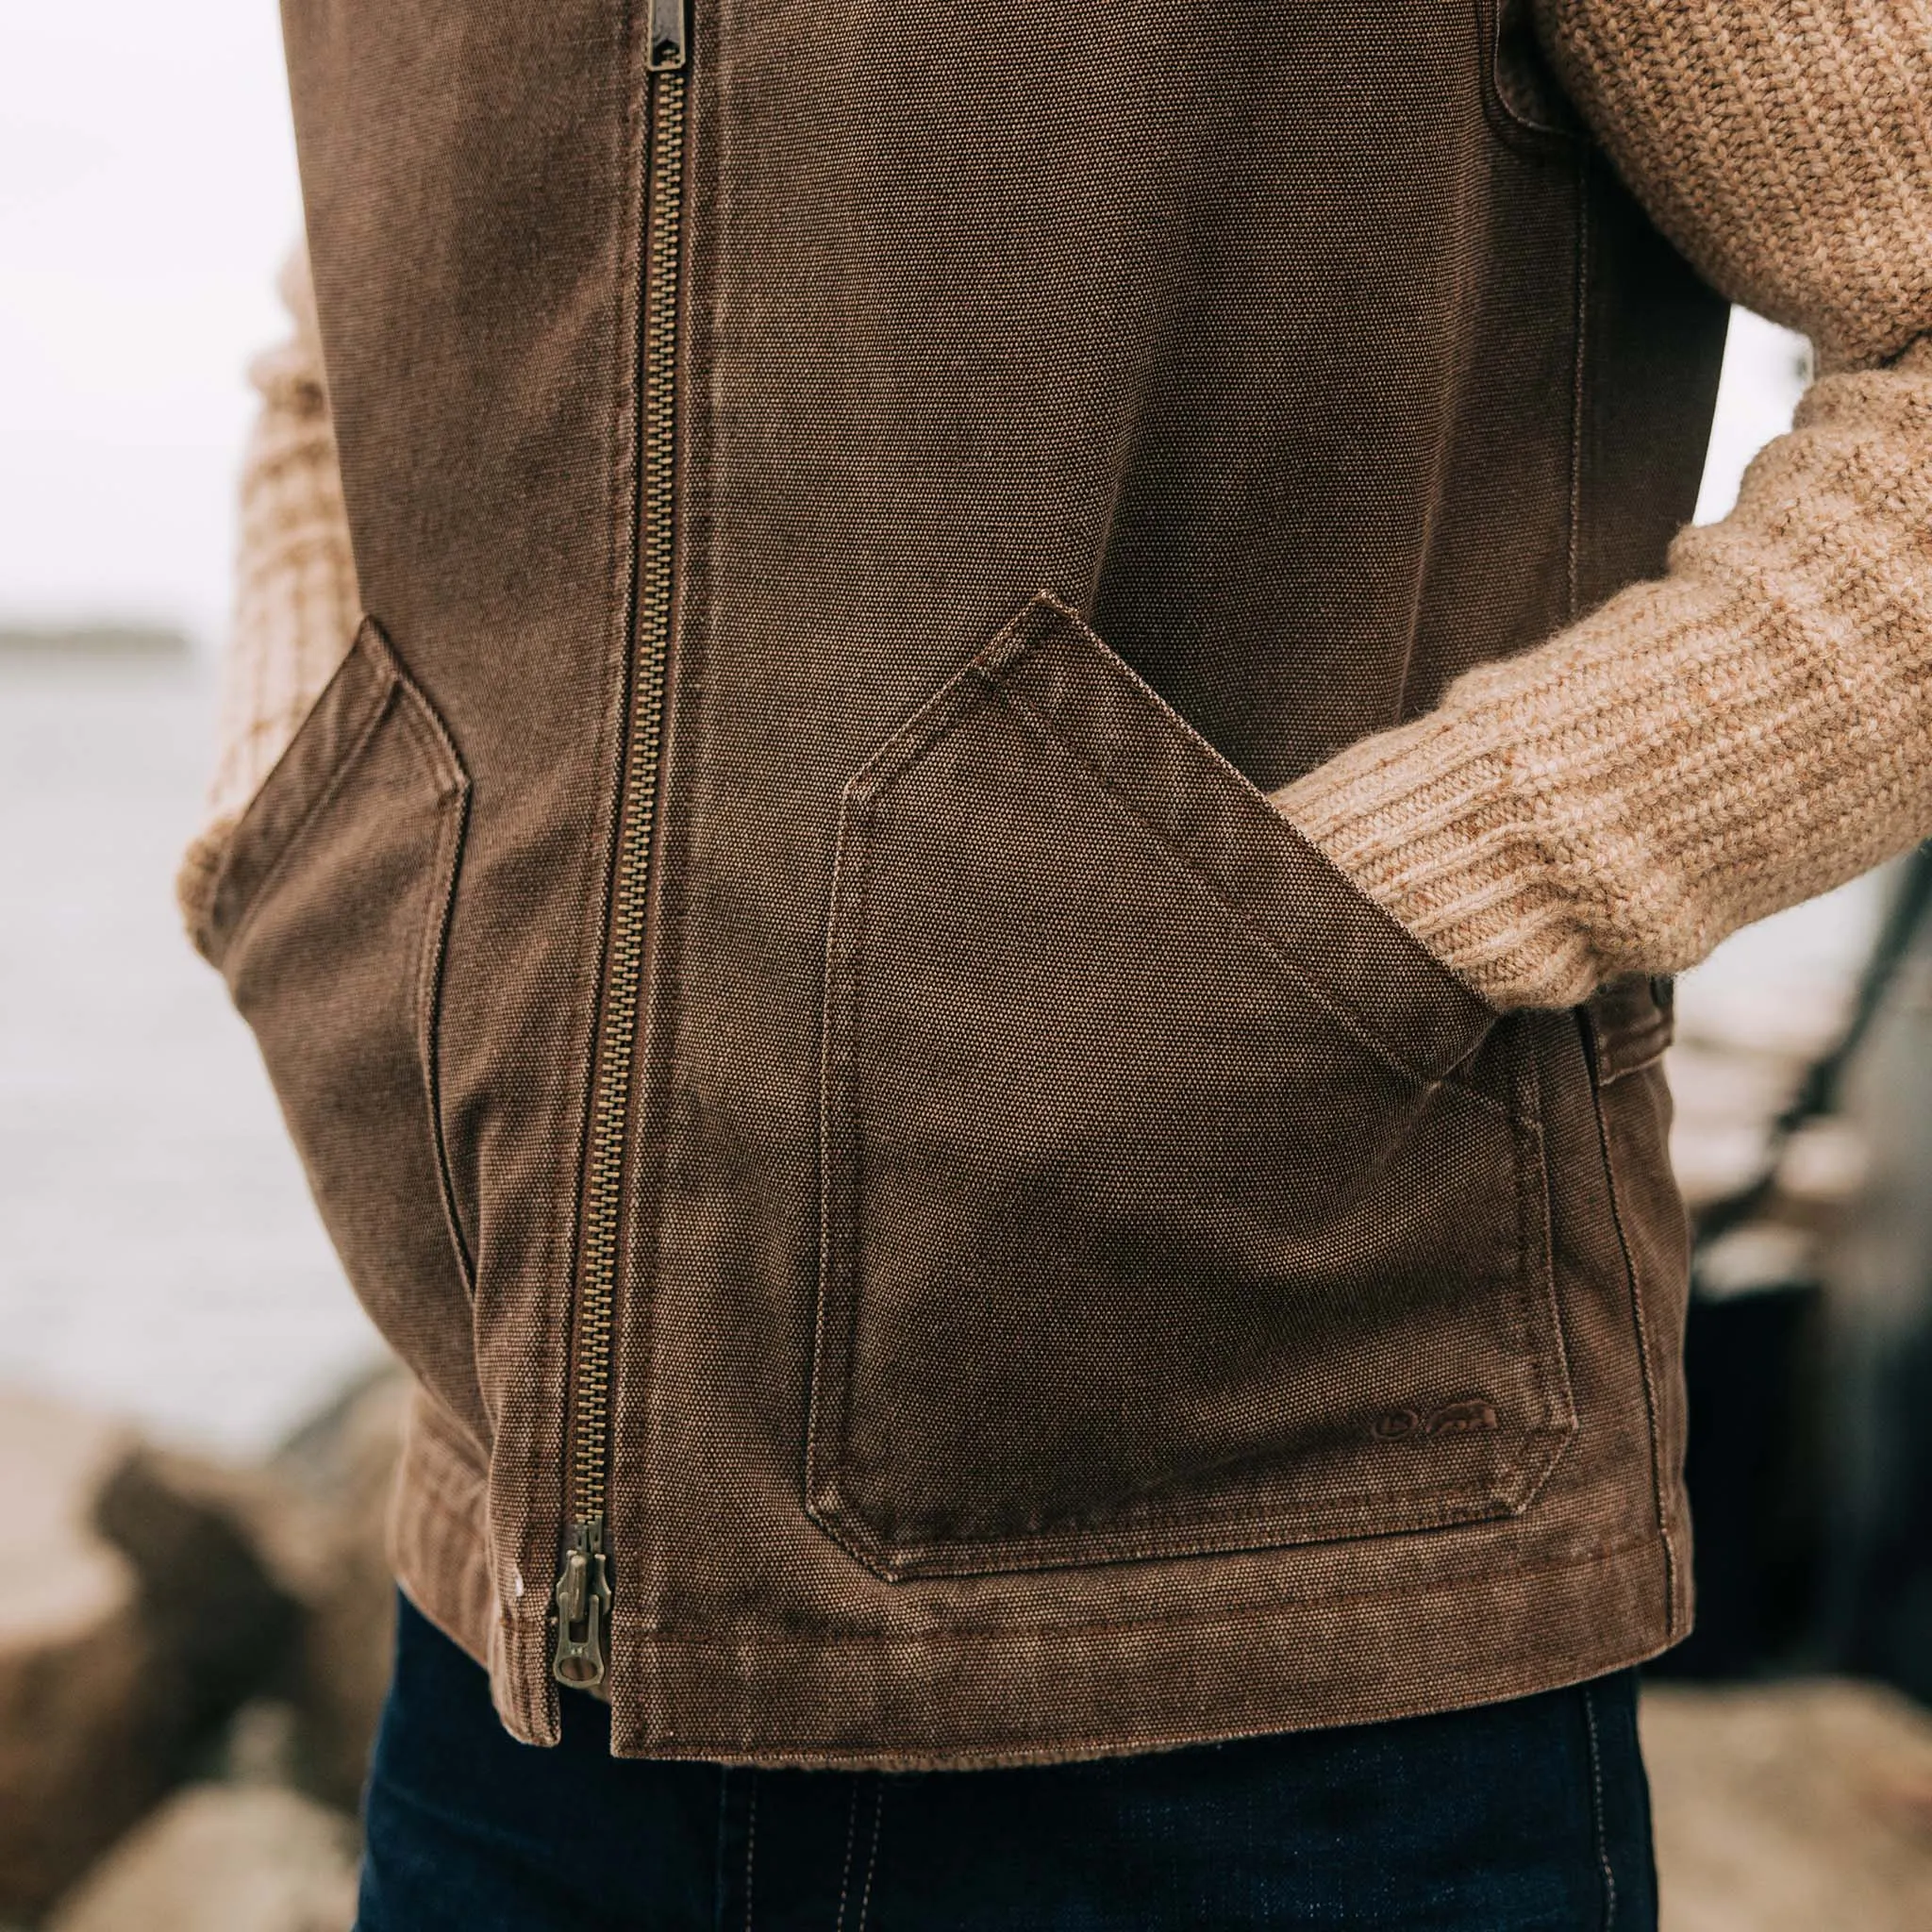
195 1422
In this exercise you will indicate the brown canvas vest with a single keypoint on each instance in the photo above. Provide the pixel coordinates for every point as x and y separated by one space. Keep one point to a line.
931 1225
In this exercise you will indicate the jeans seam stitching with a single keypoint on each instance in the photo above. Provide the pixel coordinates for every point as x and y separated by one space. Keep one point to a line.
750 1843
1598 1827
846 1871
721 1886
872 1859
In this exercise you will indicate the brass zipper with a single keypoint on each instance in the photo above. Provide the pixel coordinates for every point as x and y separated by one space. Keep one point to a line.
582 1597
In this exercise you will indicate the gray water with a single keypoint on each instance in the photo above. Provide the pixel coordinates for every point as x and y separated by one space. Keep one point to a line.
158 1252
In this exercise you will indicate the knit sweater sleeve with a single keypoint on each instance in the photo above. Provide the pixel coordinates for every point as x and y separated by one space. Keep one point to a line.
295 600
1755 726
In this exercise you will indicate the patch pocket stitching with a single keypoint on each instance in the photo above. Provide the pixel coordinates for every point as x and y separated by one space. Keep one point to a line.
1529 1290
439 756
1047 621
843 1518
1031 717
240 888
391 694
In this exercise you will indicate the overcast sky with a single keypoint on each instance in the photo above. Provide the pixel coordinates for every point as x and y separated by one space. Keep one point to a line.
147 191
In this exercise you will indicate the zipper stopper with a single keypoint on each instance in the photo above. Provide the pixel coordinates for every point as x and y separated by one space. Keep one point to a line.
667 35
583 1607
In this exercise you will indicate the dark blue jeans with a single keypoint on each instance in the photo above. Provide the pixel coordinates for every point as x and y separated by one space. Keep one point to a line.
1533 1813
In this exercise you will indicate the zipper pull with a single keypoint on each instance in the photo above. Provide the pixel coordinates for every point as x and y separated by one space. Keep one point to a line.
583 1607
667 35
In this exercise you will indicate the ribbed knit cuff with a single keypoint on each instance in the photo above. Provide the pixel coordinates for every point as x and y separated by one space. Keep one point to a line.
1434 822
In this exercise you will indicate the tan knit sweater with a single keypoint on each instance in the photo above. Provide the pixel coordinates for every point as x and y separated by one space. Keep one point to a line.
1751 729
296 606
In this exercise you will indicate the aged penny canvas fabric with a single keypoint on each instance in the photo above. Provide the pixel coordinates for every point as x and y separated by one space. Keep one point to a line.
927 952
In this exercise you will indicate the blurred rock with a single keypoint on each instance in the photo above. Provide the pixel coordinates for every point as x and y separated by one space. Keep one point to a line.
71 1653
259 1746
330 1552
224 1858
1789 1807
216 1621
162 1614
133 1615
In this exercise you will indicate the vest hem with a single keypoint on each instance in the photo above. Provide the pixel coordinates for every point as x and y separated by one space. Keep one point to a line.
1017 1696
990 1697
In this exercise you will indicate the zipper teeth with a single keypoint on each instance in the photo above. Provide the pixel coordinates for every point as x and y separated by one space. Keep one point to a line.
624 972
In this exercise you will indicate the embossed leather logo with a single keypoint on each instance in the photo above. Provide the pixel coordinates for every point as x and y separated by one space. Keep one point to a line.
1471 1417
